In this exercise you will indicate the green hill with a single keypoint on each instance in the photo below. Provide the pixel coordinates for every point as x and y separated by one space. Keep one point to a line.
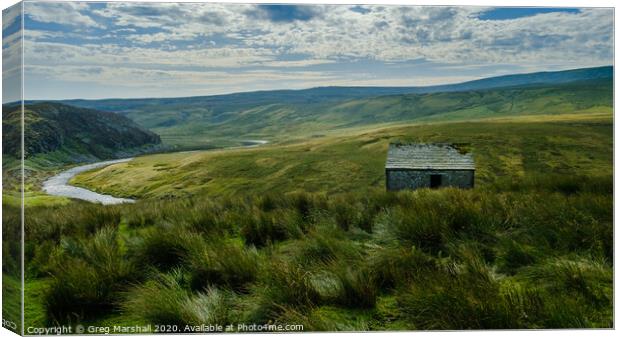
226 120
284 121
506 152
71 134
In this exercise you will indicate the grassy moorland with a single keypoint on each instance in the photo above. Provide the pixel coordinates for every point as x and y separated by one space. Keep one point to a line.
303 233
277 121
226 120
508 151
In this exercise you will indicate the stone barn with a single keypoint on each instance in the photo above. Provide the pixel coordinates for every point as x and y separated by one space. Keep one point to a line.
411 166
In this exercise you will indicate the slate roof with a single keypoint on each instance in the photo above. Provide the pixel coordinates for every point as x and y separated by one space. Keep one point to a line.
427 157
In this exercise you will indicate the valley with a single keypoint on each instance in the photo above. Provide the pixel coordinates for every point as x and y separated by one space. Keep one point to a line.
271 207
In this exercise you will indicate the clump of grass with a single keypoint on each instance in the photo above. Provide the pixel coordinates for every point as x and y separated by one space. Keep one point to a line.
398 266
568 184
55 222
443 303
222 264
327 318
214 306
282 285
204 216
587 278
290 284
166 300
159 300
325 245
163 247
514 255
423 228
349 213
264 228
267 202
87 275
357 289
302 203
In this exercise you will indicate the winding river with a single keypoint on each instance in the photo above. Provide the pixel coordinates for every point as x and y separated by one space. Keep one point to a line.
59 184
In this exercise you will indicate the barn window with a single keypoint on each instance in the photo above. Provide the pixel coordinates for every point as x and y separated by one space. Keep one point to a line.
435 180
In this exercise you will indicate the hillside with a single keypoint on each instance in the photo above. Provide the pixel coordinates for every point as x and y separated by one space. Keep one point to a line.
71 133
307 233
289 121
225 120
507 151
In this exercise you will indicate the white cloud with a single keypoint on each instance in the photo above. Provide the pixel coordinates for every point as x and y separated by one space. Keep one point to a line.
66 13
53 53
149 44
387 33
297 63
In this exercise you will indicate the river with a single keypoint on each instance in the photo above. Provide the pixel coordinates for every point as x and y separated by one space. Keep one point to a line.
59 184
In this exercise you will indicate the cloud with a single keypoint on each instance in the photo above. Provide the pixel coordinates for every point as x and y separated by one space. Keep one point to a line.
297 63
180 38
65 13
388 33
51 53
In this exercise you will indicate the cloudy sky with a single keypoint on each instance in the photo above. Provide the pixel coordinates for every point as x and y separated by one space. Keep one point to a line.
102 50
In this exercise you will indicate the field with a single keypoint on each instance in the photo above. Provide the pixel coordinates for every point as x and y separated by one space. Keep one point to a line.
301 231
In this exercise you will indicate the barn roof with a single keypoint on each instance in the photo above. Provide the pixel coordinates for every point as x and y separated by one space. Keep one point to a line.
427 157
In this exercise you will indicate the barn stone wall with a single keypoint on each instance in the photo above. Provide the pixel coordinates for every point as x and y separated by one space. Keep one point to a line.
412 179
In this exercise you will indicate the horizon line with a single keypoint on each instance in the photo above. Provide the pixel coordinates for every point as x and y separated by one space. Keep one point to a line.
308 88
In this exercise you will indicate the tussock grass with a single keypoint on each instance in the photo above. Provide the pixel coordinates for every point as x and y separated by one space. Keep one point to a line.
584 277
324 245
356 287
86 276
398 266
163 247
450 259
165 299
227 264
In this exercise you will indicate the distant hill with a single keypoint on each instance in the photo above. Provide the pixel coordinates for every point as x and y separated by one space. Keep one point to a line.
72 132
228 119
336 93
193 125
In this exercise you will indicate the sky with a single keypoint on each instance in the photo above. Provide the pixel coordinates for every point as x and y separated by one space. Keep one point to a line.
122 50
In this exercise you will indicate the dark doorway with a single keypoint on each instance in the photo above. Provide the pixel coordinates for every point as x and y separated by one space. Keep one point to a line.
435 180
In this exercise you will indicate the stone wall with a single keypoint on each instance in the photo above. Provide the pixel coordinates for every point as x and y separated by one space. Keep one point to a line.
412 179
